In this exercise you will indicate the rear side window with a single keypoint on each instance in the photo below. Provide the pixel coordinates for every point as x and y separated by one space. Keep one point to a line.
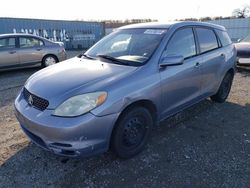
224 38
207 39
7 43
181 43
27 42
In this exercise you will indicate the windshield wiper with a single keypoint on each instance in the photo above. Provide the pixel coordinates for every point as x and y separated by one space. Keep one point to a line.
85 55
117 61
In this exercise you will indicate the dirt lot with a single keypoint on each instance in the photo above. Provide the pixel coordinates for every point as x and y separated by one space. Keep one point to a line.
207 145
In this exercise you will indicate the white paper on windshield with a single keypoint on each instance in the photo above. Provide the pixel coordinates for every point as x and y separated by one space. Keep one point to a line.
154 31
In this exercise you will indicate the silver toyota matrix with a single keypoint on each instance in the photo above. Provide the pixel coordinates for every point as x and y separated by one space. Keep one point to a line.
111 96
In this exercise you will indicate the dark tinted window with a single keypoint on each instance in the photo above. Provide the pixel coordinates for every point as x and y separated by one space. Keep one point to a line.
26 42
224 38
182 43
207 39
7 43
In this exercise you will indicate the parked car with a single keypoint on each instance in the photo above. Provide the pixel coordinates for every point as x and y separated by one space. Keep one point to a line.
112 95
22 50
243 51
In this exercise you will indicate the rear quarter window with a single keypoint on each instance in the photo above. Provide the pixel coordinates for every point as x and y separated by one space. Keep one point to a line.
224 38
207 39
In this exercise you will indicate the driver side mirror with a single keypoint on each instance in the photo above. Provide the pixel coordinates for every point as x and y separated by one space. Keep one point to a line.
172 60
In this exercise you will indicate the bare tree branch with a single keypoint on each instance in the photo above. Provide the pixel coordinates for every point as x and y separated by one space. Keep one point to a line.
243 12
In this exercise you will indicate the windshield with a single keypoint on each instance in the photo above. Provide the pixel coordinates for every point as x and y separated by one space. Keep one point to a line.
132 45
247 39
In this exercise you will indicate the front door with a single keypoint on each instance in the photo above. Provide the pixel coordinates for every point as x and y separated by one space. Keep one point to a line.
180 84
8 52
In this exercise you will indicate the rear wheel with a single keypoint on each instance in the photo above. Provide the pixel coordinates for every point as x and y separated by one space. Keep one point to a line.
49 60
131 132
224 89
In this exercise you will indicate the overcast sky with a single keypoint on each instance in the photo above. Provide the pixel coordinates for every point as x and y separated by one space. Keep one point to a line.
161 10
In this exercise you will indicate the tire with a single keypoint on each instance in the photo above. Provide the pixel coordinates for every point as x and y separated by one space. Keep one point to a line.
224 89
49 60
131 133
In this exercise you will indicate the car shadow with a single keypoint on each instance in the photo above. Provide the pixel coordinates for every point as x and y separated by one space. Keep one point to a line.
16 71
244 70
206 139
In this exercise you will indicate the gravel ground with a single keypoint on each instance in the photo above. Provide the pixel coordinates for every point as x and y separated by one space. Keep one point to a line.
207 145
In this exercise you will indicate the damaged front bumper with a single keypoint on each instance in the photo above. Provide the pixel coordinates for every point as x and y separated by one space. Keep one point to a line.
81 136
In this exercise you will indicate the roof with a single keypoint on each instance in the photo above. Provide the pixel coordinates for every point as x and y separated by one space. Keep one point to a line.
166 25
23 35
49 20
17 34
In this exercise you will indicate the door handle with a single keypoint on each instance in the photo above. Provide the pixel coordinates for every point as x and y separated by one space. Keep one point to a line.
12 52
197 64
222 55
38 49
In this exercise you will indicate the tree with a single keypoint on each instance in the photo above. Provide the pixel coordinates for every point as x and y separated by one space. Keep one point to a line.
187 19
243 12
205 19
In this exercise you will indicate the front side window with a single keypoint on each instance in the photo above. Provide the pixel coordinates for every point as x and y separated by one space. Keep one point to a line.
7 43
132 45
28 42
207 39
182 43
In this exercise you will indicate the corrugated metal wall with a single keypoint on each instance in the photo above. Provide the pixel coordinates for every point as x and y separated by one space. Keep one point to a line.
74 34
237 28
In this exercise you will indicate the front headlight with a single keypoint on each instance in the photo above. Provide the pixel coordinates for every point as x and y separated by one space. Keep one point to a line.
80 104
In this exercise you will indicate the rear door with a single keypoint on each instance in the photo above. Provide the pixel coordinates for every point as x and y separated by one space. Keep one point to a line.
8 52
181 84
213 59
30 50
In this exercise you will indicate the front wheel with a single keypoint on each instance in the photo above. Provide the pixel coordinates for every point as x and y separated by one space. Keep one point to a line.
131 132
224 89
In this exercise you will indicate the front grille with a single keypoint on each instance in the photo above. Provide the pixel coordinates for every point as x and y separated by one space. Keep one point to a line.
34 100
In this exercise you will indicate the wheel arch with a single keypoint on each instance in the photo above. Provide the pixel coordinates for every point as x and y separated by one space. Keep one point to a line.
148 104
231 71
50 54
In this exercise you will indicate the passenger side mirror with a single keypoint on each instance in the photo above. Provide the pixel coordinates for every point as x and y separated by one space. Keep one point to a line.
171 60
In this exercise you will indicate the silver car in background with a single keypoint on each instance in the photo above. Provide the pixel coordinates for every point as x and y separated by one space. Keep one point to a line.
22 50
243 51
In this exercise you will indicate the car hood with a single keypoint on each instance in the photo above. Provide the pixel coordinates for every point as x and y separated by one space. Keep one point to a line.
72 77
242 46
